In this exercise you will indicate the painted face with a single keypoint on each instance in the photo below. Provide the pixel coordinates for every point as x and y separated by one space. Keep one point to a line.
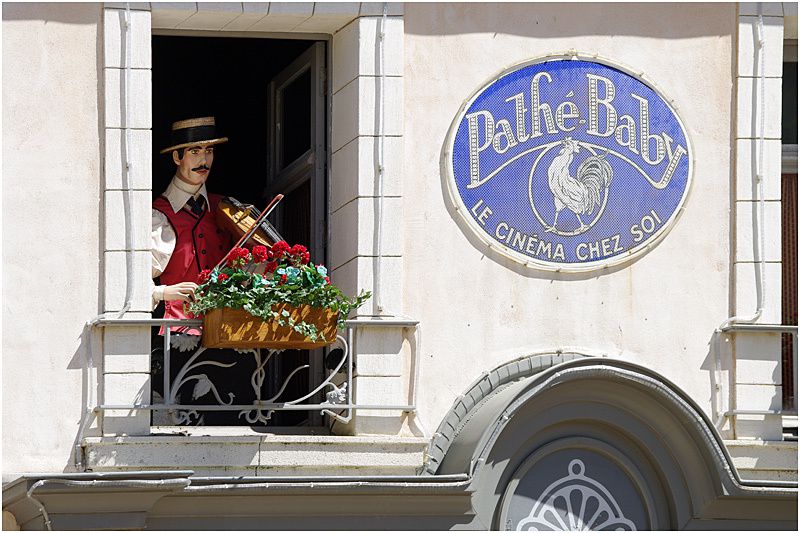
195 165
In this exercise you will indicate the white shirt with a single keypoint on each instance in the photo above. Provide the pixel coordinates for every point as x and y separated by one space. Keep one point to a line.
162 236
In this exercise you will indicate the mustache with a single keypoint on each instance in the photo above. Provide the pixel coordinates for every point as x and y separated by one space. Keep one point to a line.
201 167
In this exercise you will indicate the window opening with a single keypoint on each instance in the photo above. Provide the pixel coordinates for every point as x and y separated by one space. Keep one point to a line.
234 80
789 285
789 224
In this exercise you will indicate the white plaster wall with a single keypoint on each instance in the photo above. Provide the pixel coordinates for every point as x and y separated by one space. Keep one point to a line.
478 312
51 236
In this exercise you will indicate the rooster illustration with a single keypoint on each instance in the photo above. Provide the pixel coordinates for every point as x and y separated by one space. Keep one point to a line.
581 194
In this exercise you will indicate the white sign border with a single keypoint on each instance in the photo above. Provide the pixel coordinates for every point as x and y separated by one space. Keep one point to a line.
518 257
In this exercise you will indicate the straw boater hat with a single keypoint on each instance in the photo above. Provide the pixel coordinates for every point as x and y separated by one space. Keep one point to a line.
194 132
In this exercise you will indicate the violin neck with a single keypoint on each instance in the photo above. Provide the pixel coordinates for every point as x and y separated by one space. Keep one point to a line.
270 230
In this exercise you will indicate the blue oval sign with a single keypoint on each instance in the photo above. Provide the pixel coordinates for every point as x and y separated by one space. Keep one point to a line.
568 164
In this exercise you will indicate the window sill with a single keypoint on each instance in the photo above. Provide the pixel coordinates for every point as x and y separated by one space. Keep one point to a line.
218 452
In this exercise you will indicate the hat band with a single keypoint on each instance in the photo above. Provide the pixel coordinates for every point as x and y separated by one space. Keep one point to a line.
198 134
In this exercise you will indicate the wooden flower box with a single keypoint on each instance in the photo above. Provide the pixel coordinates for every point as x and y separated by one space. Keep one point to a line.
236 328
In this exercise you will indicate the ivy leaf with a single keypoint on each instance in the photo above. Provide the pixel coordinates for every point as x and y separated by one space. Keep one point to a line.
202 387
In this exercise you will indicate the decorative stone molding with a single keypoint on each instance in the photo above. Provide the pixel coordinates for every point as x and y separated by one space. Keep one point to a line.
479 392
654 426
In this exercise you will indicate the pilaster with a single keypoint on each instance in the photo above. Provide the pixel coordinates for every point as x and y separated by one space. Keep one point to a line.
757 375
127 204
366 203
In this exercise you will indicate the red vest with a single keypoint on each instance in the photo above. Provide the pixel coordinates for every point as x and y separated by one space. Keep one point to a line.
200 244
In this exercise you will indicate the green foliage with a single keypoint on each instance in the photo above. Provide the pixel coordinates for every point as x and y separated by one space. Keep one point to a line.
288 278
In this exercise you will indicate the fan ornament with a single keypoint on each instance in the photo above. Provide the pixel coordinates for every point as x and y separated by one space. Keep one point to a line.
576 502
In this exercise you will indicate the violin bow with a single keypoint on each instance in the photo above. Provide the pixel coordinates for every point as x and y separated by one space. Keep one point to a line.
267 210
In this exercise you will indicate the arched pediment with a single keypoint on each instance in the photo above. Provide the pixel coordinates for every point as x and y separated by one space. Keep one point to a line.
620 420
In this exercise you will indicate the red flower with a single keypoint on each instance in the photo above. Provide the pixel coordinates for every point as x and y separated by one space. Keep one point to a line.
277 250
222 277
327 279
298 249
283 278
259 253
203 276
305 257
272 266
238 256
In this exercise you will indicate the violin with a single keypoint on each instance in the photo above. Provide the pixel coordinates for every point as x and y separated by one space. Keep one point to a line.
239 219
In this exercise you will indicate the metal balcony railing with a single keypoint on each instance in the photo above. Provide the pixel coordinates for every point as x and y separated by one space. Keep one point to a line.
336 386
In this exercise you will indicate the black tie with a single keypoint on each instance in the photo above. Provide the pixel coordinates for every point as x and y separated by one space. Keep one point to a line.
196 205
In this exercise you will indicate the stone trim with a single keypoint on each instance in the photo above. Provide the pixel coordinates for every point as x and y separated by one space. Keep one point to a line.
180 500
478 393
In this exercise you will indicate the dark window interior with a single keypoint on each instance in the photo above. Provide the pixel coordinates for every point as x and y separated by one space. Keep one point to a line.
296 121
789 121
789 284
226 78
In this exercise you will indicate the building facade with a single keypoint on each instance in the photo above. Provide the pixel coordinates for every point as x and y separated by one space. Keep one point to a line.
642 378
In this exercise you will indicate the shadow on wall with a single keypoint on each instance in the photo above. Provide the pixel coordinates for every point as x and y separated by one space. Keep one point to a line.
85 359
719 365
67 13
566 20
